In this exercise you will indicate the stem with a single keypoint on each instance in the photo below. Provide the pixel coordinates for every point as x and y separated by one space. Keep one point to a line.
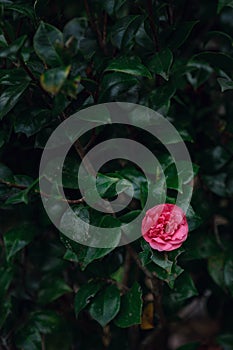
23 187
152 24
156 285
95 27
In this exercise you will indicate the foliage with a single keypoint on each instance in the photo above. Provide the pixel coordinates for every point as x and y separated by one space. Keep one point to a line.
58 57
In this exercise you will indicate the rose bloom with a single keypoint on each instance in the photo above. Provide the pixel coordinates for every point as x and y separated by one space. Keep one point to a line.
165 227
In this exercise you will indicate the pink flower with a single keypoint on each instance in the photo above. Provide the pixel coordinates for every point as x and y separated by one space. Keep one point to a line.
165 227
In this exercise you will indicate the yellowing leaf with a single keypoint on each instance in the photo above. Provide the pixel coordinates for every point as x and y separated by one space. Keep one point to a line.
53 79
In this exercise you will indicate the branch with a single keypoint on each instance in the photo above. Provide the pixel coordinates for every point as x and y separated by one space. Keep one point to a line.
152 24
23 187
95 27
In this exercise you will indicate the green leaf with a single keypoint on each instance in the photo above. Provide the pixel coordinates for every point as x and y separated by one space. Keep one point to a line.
32 122
161 259
103 183
162 95
132 66
161 63
218 60
20 197
184 288
5 173
6 277
84 254
194 220
216 268
45 321
51 291
131 308
224 3
115 84
200 245
105 305
17 238
180 34
23 9
85 294
10 97
47 42
53 79
225 84
217 184
13 48
124 30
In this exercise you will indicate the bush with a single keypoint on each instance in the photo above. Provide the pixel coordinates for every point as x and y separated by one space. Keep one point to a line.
60 57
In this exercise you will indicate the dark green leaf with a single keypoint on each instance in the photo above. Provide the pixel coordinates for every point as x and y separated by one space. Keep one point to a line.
17 238
13 48
85 294
225 84
223 3
10 97
123 32
19 197
105 305
184 288
6 276
51 291
33 122
5 173
218 60
132 66
216 268
47 42
180 34
131 308
161 63
114 84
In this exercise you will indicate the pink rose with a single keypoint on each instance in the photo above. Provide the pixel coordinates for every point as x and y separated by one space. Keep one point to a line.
165 227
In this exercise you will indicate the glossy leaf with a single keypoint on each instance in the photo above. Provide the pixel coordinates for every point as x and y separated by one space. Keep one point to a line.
180 34
225 84
85 294
129 66
131 308
53 79
123 31
184 288
17 238
161 63
218 60
223 3
47 42
10 97
105 305
13 48
51 291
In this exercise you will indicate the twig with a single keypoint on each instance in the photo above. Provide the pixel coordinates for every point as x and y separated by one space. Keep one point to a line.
23 187
95 27
152 24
